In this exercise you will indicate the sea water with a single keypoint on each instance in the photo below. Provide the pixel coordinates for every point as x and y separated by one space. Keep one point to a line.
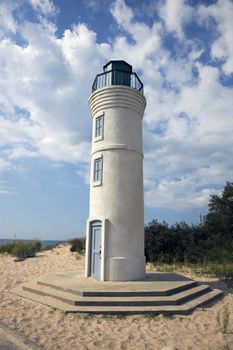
44 243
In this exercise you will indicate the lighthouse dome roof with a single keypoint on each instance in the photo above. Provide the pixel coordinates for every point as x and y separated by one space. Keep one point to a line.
117 65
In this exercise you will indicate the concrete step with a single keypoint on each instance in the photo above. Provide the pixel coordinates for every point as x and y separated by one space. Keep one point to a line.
133 289
73 299
121 309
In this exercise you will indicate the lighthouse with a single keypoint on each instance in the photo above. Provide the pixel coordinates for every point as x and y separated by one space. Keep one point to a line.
115 227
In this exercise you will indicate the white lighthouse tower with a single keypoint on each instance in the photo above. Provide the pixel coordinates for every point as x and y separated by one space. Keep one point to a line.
115 228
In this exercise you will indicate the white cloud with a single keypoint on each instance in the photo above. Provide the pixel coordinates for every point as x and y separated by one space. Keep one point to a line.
188 124
147 41
96 5
222 47
192 114
6 189
178 195
175 14
78 47
7 21
195 149
45 7
48 79
4 164
122 13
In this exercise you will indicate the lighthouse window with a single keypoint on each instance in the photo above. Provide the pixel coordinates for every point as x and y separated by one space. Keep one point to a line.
99 126
98 169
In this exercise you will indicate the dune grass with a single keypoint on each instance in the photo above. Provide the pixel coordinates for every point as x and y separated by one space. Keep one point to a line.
222 271
21 250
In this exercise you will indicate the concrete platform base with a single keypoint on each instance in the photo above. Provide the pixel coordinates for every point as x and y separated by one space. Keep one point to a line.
157 293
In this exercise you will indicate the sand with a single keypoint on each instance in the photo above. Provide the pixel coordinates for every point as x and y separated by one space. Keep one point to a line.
51 329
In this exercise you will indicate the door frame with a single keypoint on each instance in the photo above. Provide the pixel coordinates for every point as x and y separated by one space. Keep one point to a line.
96 245
103 222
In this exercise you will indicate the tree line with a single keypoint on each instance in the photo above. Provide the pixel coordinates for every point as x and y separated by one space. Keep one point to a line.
209 241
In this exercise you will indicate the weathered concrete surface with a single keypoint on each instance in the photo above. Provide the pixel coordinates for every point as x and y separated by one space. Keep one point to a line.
159 293
158 283
109 300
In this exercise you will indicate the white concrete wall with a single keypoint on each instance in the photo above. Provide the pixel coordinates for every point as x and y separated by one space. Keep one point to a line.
119 199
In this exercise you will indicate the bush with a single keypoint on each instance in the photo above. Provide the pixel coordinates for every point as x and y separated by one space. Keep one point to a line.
211 241
38 245
7 248
21 250
26 250
173 244
78 245
183 243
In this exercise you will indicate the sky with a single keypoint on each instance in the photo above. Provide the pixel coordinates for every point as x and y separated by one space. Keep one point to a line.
50 53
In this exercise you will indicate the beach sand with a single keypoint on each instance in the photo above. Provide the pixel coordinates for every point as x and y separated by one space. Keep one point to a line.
52 329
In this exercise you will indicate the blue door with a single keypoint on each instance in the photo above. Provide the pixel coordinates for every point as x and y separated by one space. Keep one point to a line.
95 249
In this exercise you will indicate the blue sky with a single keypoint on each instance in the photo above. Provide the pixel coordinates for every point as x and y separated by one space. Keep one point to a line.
50 52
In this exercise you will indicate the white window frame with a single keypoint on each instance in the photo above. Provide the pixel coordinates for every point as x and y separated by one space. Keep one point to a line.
100 135
97 180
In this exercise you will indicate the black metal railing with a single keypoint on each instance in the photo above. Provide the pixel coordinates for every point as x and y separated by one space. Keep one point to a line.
117 77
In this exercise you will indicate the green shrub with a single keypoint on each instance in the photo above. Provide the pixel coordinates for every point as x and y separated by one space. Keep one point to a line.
26 250
38 245
7 248
211 239
21 250
78 245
